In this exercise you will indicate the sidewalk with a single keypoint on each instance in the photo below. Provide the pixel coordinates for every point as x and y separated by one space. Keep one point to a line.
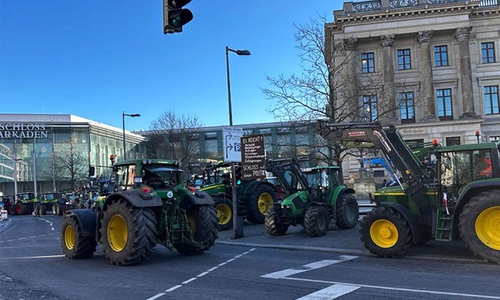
341 241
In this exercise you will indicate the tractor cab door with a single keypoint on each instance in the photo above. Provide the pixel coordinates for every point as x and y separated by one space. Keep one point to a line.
459 168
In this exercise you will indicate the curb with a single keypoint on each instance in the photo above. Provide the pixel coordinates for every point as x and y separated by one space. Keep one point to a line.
366 253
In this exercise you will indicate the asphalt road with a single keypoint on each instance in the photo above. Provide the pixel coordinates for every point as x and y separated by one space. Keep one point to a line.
296 267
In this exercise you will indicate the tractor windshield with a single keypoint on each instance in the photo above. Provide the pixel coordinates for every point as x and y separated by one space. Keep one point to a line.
161 177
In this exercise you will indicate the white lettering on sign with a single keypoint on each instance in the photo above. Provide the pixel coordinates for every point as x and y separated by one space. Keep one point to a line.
23 130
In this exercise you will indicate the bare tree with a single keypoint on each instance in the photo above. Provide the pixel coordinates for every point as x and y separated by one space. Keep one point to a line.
329 89
71 162
176 137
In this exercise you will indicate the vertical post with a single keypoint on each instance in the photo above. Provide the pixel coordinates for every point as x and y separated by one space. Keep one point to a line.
229 89
34 167
15 173
123 130
53 162
238 228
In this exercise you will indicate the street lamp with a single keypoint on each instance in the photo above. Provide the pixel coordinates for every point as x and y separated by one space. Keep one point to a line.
123 129
238 52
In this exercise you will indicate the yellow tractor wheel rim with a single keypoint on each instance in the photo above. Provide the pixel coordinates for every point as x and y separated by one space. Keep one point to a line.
69 237
264 202
488 227
117 233
224 213
384 233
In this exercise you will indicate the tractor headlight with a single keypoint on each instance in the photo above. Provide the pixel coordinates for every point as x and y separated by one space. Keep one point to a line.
170 194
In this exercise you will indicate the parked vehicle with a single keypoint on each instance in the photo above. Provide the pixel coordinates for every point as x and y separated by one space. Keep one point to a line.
254 196
9 205
457 197
48 202
149 205
25 203
315 198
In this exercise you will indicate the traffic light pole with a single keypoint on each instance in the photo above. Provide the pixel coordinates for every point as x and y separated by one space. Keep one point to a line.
237 220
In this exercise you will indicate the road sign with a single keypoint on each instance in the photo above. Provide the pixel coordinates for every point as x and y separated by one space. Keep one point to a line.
253 157
231 140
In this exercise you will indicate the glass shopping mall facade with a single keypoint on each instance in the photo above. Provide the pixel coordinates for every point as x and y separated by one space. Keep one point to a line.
54 152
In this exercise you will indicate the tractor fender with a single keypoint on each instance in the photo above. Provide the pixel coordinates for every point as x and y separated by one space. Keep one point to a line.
198 198
411 218
86 218
253 186
137 198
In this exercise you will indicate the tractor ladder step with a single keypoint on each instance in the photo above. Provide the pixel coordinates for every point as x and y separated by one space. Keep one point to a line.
444 227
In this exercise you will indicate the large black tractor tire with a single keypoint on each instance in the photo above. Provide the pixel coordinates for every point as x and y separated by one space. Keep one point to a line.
21 209
43 209
203 226
316 221
273 225
479 225
347 211
12 210
386 233
73 243
128 233
224 208
260 201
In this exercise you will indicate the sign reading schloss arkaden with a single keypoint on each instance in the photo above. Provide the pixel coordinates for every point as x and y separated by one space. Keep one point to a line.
23 130
253 158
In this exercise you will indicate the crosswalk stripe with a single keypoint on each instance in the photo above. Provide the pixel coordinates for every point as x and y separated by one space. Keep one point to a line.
308 267
331 292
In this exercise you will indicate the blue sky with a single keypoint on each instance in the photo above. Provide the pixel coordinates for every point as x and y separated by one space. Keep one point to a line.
98 58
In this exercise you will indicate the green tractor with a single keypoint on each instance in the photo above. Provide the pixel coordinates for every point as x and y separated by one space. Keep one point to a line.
149 206
48 202
455 196
313 199
26 203
254 196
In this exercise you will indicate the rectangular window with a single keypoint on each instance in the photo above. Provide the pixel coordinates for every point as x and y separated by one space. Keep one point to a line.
444 104
452 140
368 62
491 100
407 108
404 59
487 52
441 56
370 107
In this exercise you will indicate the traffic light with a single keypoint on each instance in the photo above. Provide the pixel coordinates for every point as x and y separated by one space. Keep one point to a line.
174 16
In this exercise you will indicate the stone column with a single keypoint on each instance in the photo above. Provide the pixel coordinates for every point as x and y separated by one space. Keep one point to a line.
427 85
387 100
463 36
351 84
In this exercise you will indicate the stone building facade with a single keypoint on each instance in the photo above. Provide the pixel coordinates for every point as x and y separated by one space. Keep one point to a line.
430 67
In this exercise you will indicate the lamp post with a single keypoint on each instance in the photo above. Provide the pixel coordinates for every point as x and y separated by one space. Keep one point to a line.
123 129
237 220
238 52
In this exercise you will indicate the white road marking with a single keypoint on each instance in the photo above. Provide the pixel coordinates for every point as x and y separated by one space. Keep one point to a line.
35 257
200 275
308 267
331 292
396 288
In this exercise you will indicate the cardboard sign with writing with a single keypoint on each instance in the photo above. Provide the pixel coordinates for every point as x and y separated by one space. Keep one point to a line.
253 158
